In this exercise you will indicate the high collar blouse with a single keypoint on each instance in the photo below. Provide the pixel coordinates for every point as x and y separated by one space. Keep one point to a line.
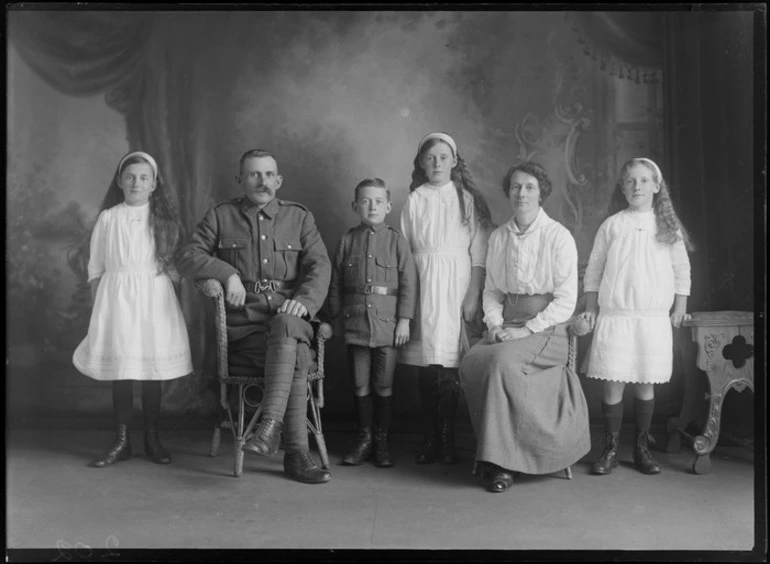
541 260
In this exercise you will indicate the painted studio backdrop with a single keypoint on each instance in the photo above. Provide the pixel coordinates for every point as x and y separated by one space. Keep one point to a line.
339 96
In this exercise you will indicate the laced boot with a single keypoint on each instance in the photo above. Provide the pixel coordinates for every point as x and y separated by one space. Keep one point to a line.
447 415
609 458
301 467
642 458
362 450
266 440
153 448
381 454
121 450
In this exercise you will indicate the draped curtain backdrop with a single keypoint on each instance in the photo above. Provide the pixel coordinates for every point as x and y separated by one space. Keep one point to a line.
706 59
145 72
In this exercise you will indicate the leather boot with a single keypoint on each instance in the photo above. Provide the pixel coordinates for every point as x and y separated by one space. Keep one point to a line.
447 415
642 458
121 450
153 448
362 450
429 400
301 467
266 440
609 458
381 455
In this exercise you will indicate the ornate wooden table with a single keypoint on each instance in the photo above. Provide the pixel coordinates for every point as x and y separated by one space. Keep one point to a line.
725 342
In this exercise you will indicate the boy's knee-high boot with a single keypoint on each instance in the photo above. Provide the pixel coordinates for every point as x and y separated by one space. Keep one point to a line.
364 446
151 396
428 381
448 394
643 460
613 419
122 403
382 456
280 363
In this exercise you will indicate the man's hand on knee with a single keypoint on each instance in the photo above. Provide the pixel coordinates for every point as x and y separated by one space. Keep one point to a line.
293 307
235 293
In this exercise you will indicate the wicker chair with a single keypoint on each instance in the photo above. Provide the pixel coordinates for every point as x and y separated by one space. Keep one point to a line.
241 389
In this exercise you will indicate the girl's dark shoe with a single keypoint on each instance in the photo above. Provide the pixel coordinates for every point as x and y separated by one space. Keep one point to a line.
429 452
381 455
642 457
301 467
609 458
447 442
121 450
153 448
363 449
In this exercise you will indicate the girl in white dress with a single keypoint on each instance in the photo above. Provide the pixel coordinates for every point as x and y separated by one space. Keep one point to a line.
137 331
637 270
446 222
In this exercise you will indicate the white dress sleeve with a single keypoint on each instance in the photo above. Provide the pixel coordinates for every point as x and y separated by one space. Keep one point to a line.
681 263
564 277
479 239
495 286
595 269
406 222
97 251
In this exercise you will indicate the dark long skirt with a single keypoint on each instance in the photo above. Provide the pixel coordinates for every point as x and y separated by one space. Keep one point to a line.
527 408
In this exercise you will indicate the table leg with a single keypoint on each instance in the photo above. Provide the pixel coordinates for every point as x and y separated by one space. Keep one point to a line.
692 398
707 441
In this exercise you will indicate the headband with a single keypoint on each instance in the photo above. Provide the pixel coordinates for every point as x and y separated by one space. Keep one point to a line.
443 137
654 166
145 156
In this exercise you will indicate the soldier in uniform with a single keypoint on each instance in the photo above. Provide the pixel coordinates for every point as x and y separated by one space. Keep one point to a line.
374 294
273 265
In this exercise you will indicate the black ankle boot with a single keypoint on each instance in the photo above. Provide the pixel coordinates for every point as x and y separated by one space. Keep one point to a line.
381 455
301 467
642 458
121 450
362 450
447 414
609 458
153 448
429 452
266 440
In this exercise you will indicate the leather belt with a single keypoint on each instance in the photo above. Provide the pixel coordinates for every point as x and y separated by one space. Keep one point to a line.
371 289
263 286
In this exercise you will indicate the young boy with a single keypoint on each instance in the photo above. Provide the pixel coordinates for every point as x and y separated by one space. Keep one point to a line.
373 293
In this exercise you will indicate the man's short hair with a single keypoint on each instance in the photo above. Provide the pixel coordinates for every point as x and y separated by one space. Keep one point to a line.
256 153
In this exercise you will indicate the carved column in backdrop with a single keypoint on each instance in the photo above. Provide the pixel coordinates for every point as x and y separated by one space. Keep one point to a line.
146 73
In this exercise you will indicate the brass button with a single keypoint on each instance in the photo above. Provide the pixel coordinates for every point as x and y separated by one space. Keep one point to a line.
288 246
368 279
264 237
264 260
370 256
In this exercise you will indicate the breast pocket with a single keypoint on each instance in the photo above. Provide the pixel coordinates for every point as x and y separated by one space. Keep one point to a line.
287 258
386 271
234 250
352 267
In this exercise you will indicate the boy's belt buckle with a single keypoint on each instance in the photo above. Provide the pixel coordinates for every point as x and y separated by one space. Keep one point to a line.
368 288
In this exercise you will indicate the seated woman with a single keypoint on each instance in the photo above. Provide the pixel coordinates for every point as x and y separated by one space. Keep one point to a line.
527 408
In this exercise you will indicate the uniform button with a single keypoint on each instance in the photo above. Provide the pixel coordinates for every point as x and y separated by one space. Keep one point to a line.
368 279
270 297
264 280
368 305
288 246
234 244
261 217
264 260
370 256
264 237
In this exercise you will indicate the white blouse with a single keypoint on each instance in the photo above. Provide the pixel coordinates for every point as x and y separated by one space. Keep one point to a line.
541 260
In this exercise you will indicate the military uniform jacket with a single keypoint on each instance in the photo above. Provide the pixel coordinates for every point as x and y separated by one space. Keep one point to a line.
278 242
372 256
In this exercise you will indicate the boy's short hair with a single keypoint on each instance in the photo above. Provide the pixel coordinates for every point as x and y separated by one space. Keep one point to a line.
376 182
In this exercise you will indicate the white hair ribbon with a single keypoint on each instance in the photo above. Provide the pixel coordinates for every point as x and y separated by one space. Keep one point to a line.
441 136
143 155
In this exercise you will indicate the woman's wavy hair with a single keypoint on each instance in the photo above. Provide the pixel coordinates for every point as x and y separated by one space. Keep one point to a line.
462 179
670 228
164 224
533 169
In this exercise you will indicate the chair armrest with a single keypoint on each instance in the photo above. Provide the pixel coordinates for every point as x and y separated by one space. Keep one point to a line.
210 287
